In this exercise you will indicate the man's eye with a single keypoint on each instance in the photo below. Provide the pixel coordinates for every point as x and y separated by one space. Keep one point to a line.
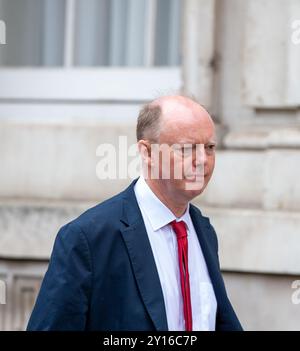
210 147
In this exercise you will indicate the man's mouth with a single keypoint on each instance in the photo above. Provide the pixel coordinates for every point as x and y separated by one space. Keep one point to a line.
195 176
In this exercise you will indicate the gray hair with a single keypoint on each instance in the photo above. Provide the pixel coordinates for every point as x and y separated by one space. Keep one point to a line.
148 122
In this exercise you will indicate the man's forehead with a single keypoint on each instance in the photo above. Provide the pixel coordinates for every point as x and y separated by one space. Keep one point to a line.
202 135
180 115
200 140
197 139
188 125
185 121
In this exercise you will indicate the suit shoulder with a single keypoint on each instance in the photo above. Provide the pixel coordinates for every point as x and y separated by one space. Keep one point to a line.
108 207
99 217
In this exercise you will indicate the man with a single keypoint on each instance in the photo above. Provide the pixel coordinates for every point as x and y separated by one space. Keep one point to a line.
145 259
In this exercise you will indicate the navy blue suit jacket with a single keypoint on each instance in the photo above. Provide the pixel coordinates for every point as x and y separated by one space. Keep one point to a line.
102 274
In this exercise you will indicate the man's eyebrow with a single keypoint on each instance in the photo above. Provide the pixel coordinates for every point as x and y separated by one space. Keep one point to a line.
193 143
189 142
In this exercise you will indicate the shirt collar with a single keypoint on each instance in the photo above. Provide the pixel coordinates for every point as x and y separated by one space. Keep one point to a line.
158 213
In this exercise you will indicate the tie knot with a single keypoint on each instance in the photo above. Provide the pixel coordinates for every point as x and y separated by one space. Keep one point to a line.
179 228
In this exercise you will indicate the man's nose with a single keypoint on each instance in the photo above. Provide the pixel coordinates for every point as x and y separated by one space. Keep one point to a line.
200 158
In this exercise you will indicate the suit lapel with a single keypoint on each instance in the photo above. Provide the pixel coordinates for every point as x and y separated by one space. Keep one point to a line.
203 230
139 249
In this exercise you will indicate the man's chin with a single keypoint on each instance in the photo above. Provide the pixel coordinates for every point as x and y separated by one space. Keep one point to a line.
195 178
195 184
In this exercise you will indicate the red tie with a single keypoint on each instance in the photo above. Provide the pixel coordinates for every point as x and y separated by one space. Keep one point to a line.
180 230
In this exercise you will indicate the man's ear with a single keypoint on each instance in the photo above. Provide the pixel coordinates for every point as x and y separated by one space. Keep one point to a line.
145 150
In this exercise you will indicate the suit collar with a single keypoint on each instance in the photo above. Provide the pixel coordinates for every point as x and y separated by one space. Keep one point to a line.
139 249
130 212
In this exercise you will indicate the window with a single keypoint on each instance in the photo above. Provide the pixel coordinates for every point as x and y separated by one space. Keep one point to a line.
91 33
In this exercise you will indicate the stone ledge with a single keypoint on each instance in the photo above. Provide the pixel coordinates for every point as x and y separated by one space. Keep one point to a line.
263 138
58 161
249 240
256 240
268 180
28 230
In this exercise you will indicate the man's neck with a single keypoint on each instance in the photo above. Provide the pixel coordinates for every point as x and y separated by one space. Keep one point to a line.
177 208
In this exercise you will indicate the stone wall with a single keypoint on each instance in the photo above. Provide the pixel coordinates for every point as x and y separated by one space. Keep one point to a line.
48 167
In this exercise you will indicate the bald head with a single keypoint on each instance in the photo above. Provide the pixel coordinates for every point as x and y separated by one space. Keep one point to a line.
169 103
174 111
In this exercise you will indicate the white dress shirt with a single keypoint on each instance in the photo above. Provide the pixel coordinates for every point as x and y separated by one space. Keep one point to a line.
163 242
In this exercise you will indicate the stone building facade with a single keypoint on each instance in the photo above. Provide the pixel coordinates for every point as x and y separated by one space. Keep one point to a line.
237 57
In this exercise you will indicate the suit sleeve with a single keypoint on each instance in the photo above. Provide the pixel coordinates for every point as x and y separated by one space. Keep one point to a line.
63 300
